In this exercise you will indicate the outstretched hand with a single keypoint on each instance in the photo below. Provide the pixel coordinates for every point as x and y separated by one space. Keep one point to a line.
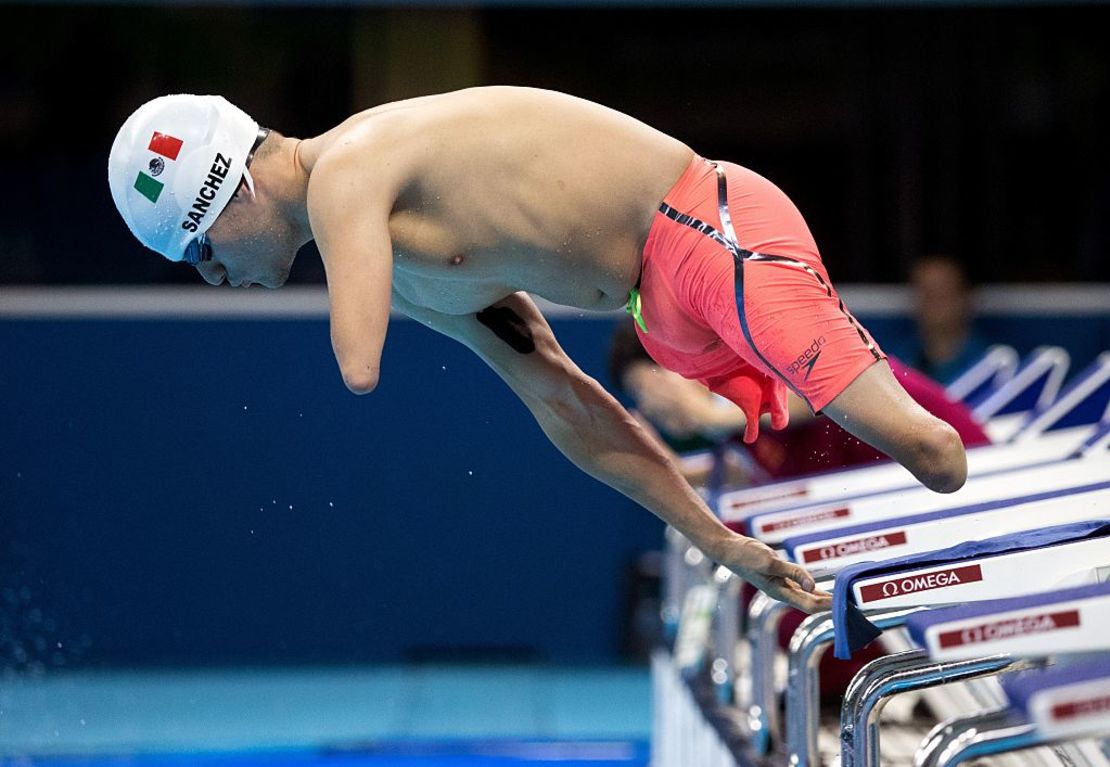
757 563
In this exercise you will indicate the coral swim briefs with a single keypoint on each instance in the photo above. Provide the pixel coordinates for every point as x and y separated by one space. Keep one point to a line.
733 294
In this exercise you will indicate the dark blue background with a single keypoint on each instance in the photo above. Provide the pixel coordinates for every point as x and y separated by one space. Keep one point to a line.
147 470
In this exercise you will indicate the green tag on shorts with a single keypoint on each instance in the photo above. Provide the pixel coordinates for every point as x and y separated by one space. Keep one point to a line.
635 308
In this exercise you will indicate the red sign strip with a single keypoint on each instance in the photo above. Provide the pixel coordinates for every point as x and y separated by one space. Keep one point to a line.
1022 625
911 584
803 519
769 496
854 546
1074 709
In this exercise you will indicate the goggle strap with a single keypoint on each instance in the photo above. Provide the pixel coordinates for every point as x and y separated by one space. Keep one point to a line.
250 182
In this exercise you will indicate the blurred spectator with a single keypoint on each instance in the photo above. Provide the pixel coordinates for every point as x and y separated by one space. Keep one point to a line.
945 345
688 416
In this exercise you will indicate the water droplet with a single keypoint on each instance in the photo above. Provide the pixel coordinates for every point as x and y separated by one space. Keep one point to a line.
290 507
331 505
244 407
470 473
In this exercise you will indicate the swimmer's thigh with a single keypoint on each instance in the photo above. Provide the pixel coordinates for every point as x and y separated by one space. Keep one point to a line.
793 322
875 408
801 328
789 322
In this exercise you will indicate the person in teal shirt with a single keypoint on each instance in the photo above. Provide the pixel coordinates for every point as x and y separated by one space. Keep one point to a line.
945 344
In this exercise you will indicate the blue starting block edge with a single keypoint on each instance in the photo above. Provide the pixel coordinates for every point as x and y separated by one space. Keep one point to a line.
854 631
795 542
919 624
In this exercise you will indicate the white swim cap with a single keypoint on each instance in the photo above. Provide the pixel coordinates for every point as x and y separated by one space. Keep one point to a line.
174 166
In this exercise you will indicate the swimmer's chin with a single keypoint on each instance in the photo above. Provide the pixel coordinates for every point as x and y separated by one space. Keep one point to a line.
279 282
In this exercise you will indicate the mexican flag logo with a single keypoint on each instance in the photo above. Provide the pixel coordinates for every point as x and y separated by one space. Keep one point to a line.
165 146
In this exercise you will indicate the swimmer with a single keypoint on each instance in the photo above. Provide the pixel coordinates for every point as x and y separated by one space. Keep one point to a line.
454 207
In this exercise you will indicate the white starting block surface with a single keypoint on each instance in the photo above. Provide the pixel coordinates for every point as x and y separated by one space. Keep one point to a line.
739 505
1098 441
1067 701
1033 387
1085 400
838 547
1049 434
1070 621
995 368
776 527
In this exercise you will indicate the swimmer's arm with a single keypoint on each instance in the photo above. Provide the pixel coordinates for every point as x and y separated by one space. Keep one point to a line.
351 227
599 436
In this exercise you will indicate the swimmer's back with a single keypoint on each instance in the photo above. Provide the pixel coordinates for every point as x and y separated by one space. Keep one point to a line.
500 167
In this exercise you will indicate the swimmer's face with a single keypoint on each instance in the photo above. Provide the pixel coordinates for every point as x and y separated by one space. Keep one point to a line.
251 244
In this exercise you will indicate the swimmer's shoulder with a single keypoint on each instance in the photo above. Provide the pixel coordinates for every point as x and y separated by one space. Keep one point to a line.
359 161
366 137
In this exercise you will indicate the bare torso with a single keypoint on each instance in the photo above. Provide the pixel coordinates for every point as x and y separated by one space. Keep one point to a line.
506 189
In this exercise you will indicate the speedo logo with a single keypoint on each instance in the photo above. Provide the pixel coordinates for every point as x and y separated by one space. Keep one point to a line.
217 174
807 359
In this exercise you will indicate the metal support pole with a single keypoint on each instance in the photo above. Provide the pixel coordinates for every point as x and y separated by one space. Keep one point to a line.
674 580
764 617
884 677
1013 736
803 685
722 669
956 730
